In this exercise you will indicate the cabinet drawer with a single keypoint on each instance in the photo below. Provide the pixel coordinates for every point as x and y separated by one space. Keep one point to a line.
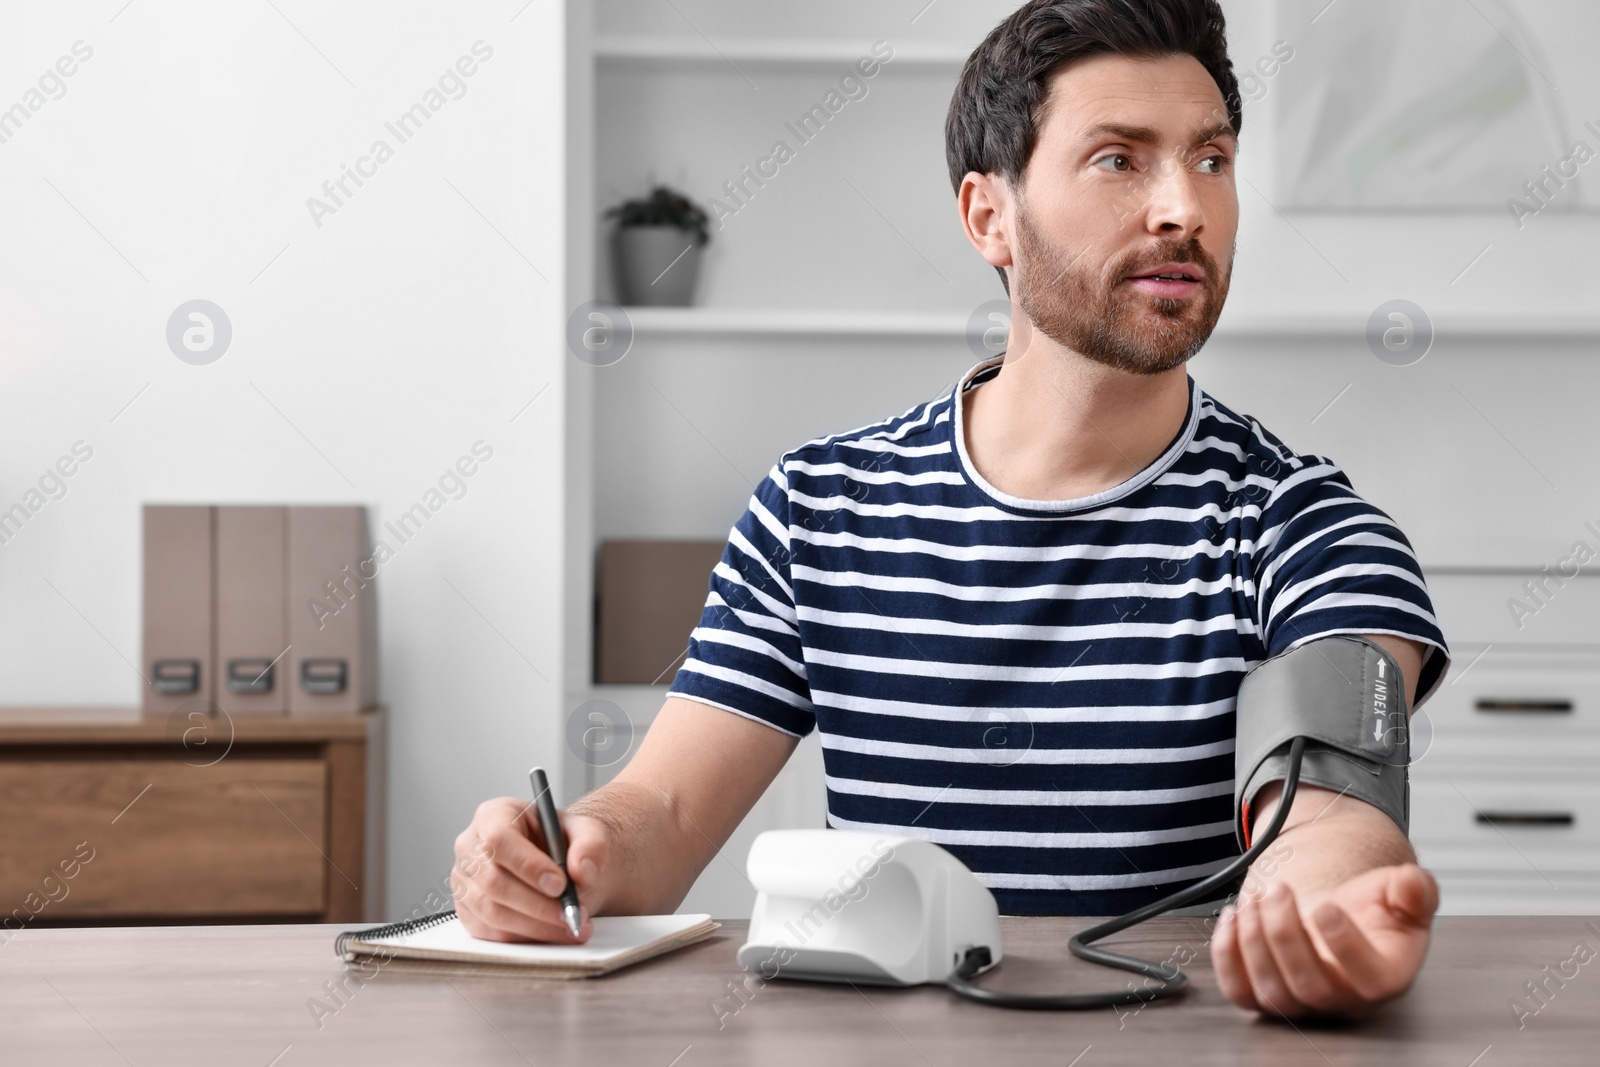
1480 608
1530 825
1521 703
1517 894
155 836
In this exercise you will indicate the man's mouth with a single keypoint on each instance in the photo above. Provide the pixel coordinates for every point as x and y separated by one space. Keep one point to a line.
1170 280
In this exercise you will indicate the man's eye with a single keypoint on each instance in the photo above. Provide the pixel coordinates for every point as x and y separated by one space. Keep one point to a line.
1116 156
1218 161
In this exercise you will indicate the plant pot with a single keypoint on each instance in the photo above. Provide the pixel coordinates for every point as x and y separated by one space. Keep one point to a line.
656 266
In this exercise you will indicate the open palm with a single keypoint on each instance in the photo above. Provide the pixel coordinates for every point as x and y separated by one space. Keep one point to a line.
1341 953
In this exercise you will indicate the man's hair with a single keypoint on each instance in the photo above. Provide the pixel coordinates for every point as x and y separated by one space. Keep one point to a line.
1001 96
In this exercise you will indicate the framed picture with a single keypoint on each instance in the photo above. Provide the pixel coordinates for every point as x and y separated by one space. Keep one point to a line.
1439 105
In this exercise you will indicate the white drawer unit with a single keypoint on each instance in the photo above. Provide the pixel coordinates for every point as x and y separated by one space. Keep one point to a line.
1505 786
1482 608
1474 893
1529 824
1518 703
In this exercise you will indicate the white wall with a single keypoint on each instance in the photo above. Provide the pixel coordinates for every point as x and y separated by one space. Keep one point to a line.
368 355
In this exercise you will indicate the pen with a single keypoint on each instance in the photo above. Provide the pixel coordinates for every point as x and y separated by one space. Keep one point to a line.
555 843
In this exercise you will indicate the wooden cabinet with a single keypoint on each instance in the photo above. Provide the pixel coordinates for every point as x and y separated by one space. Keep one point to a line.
107 815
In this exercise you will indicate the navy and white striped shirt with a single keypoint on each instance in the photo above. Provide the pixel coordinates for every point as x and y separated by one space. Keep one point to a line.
1044 688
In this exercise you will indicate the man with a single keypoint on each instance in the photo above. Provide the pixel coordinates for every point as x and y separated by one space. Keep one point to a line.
1019 613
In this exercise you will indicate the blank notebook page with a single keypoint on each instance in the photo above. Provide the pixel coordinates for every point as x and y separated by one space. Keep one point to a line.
614 936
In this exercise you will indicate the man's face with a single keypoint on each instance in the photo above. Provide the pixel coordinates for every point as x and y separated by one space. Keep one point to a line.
1133 171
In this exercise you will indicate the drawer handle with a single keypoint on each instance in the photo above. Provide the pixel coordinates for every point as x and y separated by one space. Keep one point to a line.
250 675
323 675
175 675
1536 707
1526 818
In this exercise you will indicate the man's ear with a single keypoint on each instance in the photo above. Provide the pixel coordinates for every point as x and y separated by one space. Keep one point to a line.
987 207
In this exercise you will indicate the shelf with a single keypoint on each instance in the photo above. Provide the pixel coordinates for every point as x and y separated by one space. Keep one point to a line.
797 322
701 322
771 52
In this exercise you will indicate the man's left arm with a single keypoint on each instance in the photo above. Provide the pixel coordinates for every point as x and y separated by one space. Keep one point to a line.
1335 915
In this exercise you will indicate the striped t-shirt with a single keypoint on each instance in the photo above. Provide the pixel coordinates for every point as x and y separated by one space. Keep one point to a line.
1044 688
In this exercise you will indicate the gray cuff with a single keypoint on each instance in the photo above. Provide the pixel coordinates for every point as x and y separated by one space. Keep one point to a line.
1385 787
1346 697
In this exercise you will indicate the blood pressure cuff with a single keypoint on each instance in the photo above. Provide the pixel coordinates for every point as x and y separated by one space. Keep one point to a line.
1346 697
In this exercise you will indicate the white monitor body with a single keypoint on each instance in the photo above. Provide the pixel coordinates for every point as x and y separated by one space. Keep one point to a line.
858 906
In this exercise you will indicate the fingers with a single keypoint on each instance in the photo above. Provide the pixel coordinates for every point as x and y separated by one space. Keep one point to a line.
500 901
1308 979
1412 895
506 887
511 835
1267 983
1232 977
490 918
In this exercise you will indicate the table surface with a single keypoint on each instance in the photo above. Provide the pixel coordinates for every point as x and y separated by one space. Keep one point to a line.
247 995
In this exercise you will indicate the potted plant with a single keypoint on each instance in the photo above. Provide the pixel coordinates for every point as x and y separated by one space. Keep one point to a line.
657 248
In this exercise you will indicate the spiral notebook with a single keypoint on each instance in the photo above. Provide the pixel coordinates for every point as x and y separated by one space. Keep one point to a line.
439 944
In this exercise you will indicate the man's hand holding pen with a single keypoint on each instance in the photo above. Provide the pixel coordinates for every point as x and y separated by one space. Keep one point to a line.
507 886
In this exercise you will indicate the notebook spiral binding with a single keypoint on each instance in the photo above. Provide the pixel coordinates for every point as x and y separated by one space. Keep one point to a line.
405 926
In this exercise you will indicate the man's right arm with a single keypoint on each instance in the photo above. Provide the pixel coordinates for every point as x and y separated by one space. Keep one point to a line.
635 845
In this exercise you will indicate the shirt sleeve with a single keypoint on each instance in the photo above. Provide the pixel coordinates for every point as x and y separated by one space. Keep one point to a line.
1329 562
745 655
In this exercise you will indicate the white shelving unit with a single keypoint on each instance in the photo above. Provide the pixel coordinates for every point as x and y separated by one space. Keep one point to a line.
818 52
785 322
685 63
757 322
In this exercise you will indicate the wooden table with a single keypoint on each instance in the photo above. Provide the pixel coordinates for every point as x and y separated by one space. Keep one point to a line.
241 995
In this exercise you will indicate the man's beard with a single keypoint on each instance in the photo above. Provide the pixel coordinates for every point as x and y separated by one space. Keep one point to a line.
1076 306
